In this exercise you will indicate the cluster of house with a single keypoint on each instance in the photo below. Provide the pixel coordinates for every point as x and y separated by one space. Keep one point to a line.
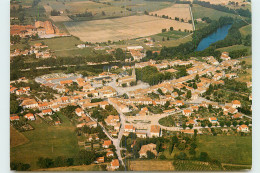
21 91
45 29
38 49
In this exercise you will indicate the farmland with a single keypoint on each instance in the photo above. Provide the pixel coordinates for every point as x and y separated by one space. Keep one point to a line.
200 12
227 149
181 11
92 167
151 165
122 28
246 30
66 46
17 138
46 141
188 165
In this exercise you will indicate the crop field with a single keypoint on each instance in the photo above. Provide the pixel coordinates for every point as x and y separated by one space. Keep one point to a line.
17 138
92 167
182 11
151 165
200 12
76 7
227 149
187 165
122 28
140 5
46 141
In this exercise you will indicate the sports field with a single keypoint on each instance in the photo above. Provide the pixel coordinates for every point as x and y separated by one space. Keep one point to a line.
122 28
46 141
182 11
151 165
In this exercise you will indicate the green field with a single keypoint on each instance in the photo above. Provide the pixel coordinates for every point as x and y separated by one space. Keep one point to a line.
200 12
246 30
248 76
66 46
227 149
46 141
235 47
17 138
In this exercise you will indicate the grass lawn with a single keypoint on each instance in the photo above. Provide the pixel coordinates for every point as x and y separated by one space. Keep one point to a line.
151 165
92 167
227 149
47 141
245 30
16 138
200 12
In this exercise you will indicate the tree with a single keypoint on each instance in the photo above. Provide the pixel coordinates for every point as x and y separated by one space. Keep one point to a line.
163 39
234 123
158 146
204 157
171 28
45 162
150 155
188 96
14 106
119 54
167 104
184 126
190 126
228 123
195 133
222 123
209 125
162 157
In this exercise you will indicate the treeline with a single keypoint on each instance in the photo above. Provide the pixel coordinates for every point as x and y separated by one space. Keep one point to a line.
59 63
20 166
82 16
238 53
241 12
151 75
55 13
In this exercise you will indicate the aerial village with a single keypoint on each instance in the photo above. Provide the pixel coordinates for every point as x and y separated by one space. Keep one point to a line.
121 106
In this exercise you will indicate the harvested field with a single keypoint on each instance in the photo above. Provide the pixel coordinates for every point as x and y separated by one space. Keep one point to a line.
151 165
122 28
182 11
60 18
17 138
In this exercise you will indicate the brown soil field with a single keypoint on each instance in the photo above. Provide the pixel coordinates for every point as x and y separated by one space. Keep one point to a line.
122 28
151 165
17 138
181 11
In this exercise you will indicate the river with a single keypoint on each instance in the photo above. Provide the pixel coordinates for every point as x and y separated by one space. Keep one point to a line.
219 34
